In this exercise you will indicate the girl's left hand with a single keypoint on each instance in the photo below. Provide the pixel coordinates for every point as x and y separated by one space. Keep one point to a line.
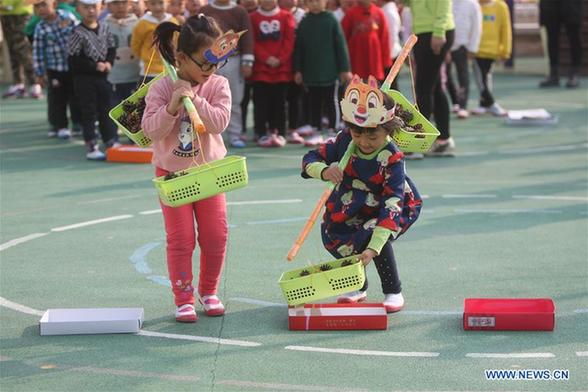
367 255
332 173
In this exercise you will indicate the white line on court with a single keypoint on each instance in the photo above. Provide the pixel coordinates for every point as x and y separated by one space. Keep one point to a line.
109 199
542 197
92 222
276 221
505 211
149 212
543 149
256 302
284 387
581 310
253 202
468 196
510 355
20 240
582 353
133 373
363 352
20 308
206 339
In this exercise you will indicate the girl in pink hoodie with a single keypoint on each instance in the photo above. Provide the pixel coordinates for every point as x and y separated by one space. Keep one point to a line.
167 123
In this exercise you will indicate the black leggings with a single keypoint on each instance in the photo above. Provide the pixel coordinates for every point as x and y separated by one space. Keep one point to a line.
430 96
387 270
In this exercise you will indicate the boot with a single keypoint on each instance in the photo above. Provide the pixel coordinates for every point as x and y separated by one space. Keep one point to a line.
552 80
574 78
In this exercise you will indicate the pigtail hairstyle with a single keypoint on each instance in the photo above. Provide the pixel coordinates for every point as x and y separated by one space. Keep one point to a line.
198 31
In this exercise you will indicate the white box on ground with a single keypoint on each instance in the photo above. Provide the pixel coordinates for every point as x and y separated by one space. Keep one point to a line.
530 117
91 321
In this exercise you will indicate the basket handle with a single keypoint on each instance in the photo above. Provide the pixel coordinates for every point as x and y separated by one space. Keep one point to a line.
410 42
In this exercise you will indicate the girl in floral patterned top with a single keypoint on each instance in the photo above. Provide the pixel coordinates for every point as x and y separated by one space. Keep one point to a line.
374 201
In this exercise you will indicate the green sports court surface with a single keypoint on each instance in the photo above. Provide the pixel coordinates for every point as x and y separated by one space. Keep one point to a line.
506 218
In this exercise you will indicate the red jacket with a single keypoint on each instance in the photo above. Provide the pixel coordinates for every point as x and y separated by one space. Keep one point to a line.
273 34
366 31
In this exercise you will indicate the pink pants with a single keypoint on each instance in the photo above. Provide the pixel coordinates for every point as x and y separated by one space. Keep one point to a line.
211 220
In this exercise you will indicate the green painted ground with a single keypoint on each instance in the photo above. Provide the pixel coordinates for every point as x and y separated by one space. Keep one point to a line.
507 218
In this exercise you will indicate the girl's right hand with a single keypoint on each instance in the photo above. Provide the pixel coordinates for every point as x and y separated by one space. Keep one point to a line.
332 173
182 89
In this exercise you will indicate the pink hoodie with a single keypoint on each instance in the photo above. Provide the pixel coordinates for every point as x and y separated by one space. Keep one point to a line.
172 135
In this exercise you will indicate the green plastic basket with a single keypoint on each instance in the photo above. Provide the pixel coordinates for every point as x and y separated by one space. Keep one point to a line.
138 137
412 141
204 181
322 284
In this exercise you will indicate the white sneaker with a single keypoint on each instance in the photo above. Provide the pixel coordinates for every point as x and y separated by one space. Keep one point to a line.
36 91
393 302
305 130
95 155
64 133
413 156
455 108
352 297
462 114
497 110
479 110
444 148
52 133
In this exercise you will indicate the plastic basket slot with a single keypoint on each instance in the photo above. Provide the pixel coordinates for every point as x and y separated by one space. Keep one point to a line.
300 293
230 179
347 281
185 192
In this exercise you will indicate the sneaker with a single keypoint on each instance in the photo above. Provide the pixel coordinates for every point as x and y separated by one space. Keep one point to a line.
573 81
237 142
393 302
550 81
265 141
36 92
497 110
278 140
314 140
305 130
16 90
455 108
52 133
294 138
95 155
352 297
212 305
479 110
186 314
413 156
64 133
442 148
463 114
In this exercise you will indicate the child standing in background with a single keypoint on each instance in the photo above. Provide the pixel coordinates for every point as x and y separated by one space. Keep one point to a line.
50 63
465 45
390 10
374 201
124 75
495 44
366 31
142 38
176 9
230 16
273 33
166 122
320 63
91 56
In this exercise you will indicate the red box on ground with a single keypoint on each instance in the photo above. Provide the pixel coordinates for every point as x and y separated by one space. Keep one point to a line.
509 314
129 154
337 317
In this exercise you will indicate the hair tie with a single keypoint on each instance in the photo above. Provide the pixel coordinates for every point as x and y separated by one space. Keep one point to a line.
201 15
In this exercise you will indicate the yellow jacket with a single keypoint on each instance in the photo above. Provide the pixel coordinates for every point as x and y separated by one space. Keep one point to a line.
142 40
496 32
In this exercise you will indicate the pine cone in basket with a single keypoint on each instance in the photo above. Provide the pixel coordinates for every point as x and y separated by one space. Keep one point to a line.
404 115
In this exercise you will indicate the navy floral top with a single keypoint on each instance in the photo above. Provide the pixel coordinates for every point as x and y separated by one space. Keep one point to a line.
375 193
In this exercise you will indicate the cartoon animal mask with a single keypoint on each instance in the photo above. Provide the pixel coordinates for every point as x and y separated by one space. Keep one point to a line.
363 104
223 47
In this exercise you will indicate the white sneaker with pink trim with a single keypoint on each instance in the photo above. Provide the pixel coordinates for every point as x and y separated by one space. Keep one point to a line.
186 314
352 297
212 305
393 302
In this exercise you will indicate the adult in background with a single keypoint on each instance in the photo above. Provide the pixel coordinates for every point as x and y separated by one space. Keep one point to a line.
553 14
433 24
